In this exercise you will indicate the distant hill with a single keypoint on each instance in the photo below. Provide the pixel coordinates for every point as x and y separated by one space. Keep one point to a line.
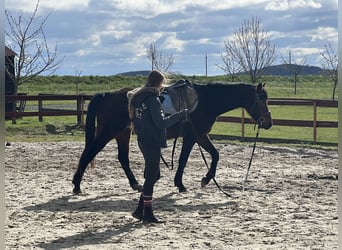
135 73
275 70
281 70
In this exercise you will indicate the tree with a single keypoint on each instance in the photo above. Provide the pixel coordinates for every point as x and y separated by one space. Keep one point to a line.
330 65
26 36
295 68
159 60
250 48
231 66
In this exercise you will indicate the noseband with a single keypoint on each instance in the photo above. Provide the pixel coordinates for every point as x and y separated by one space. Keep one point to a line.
261 108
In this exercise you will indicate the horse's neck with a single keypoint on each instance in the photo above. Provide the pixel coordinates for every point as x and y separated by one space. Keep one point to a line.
226 97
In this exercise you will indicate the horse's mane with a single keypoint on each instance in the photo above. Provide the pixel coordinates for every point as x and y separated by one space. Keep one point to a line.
218 89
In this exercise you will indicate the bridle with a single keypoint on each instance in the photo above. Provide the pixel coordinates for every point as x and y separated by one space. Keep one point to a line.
263 111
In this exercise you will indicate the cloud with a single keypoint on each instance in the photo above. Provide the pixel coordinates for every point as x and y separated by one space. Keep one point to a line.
112 36
284 5
324 34
29 5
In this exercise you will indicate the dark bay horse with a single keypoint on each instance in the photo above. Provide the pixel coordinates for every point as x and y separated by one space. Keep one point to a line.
110 112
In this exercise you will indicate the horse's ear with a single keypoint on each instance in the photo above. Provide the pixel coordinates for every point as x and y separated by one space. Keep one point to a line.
259 87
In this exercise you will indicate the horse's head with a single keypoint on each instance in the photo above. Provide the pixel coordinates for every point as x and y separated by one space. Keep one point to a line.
259 109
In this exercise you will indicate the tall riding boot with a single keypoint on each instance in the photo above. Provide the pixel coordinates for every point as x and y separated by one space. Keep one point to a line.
139 211
148 211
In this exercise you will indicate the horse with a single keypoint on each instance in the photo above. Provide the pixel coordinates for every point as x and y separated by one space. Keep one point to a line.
110 112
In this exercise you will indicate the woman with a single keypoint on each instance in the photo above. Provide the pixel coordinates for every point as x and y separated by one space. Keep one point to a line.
150 125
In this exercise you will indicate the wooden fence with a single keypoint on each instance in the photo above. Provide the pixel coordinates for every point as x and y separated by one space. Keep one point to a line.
314 123
80 111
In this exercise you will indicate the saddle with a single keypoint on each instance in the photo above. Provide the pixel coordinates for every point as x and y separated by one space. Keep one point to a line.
178 96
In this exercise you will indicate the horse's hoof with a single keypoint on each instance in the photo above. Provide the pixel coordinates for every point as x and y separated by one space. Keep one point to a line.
77 191
182 189
137 187
204 182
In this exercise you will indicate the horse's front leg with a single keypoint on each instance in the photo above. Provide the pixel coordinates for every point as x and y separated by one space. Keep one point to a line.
205 143
123 151
183 158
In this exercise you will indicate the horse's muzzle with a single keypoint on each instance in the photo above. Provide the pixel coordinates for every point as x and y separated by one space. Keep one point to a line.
265 121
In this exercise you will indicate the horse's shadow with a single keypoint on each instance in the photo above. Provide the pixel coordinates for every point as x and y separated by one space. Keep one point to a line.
94 204
113 234
92 236
105 204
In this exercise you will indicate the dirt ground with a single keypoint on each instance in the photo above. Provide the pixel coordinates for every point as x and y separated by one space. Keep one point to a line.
290 201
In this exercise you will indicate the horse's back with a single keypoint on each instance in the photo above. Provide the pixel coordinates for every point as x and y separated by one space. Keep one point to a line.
112 113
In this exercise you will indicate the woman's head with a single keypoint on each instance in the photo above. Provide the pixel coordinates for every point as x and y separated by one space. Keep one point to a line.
155 79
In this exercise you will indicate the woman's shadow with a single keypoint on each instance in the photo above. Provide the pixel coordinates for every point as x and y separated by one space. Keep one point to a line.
100 235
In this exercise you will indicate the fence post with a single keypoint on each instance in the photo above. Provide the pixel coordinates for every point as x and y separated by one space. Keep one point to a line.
14 109
243 124
314 121
40 109
82 111
79 108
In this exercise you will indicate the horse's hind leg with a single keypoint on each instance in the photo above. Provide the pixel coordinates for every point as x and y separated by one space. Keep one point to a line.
123 140
88 154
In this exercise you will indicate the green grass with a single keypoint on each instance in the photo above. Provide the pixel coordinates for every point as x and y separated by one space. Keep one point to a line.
51 129
308 87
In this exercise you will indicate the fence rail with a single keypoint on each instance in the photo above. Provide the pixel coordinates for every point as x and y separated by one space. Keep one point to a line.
80 111
314 123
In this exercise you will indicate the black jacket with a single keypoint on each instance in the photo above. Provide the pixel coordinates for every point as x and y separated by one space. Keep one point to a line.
149 120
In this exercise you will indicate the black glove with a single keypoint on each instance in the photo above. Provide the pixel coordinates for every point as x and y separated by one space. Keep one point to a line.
184 114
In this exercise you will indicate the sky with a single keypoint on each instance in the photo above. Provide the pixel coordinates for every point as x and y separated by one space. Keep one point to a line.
108 37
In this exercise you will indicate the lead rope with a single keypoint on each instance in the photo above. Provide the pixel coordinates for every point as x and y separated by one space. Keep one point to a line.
249 166
250 161
217 185
172 155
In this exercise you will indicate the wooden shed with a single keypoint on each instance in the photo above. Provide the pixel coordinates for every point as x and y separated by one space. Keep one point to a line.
10 86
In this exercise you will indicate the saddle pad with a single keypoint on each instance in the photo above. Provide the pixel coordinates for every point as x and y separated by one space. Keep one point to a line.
167 105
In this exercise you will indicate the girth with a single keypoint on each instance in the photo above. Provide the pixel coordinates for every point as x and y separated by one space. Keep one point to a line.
178 96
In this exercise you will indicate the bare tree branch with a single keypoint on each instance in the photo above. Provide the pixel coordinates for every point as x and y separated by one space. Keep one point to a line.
29 40
159 60
231 66
330 65
250 48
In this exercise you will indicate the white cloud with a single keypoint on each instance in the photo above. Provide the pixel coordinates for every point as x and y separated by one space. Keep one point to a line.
284 5
172 42
300 52
116 33
324 34
29 5
151 8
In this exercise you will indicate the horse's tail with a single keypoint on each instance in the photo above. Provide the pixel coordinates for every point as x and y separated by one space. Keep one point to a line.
91 117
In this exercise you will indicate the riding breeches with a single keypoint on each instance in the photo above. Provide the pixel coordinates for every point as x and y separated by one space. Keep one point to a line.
152 166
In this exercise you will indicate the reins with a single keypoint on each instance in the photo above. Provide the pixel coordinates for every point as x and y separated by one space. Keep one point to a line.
249 165
172 155
206 163
250 161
